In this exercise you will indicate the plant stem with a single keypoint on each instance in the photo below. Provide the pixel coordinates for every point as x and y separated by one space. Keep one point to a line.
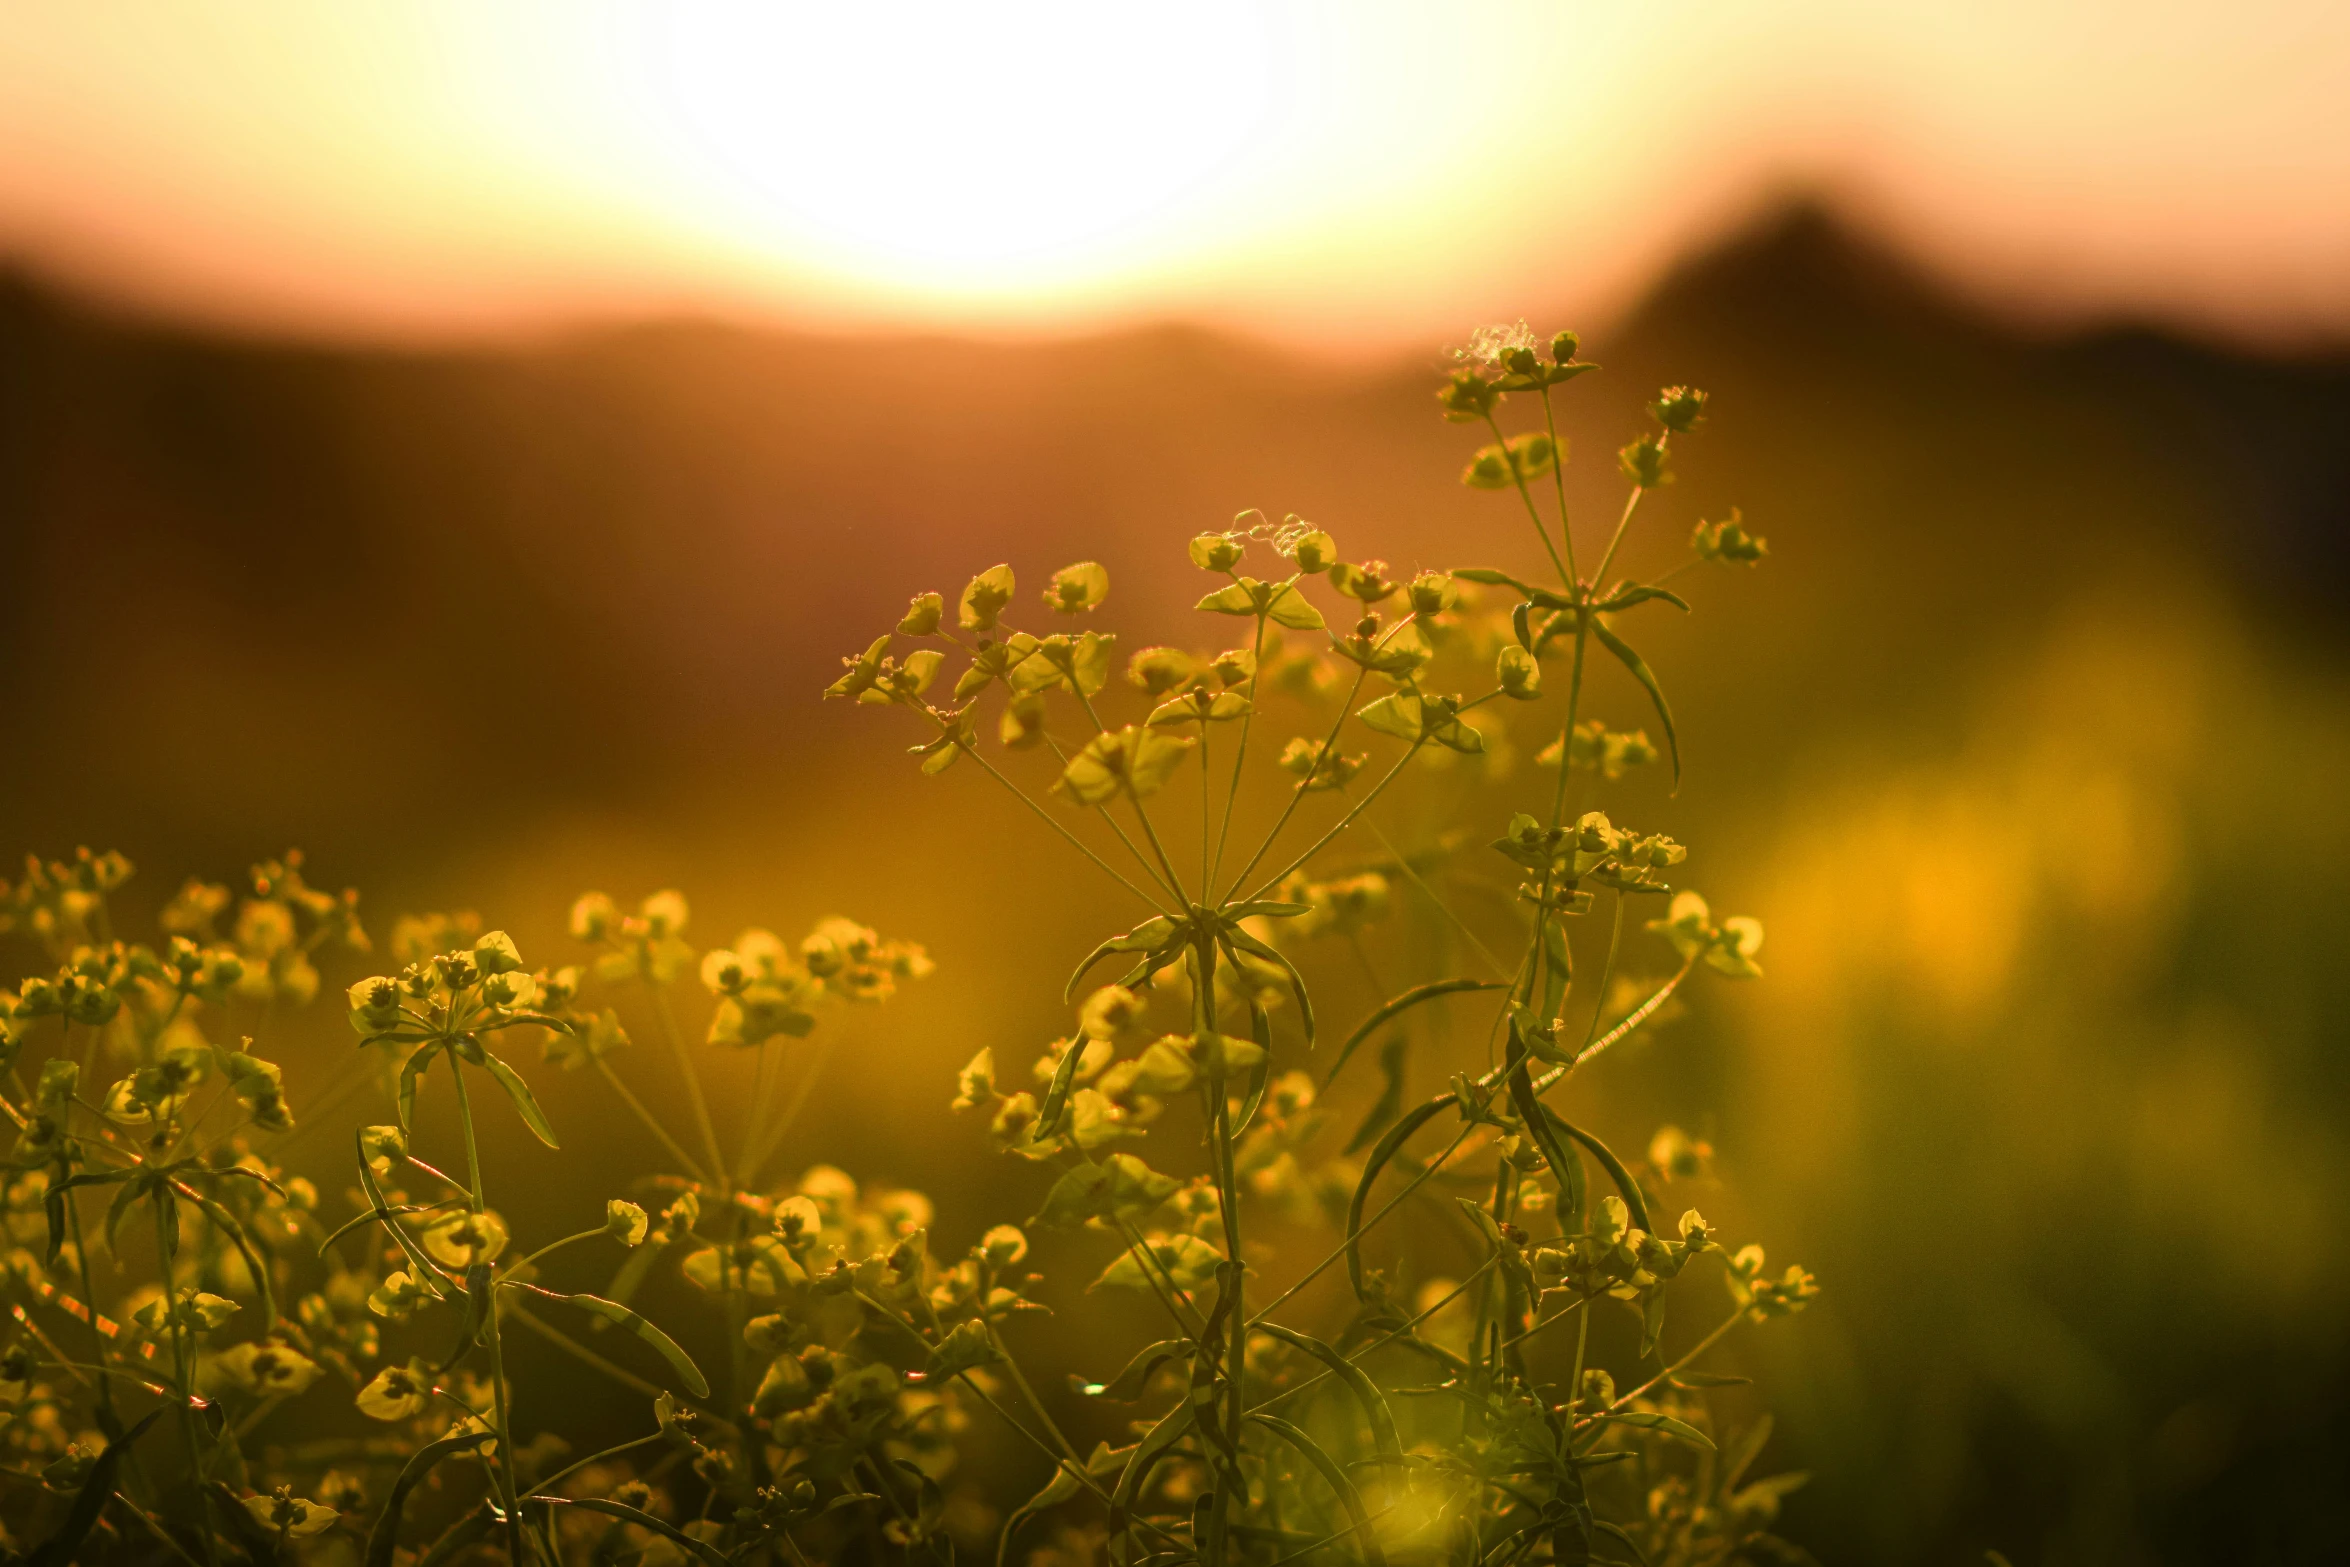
1518 478
183 1378
1079 844
1256 684
1342 824
693 1084
693 1166
1558 472
1298 792
1703 1344
505 1429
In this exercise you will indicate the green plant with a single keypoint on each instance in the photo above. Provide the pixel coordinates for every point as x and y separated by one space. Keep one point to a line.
167 1271
1424 1428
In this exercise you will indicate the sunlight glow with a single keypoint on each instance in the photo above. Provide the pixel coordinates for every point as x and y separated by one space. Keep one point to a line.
1359 173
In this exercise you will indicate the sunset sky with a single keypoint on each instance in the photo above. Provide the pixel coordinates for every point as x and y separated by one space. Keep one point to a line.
1349 175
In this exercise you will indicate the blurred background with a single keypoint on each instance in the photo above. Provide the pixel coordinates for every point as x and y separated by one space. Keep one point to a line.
460 440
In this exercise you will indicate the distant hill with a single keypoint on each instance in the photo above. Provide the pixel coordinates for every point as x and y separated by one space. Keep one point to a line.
254 556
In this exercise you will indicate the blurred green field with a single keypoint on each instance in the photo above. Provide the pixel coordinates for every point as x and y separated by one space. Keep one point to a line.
2028 745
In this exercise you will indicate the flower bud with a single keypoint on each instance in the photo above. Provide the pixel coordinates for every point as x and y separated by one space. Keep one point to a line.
625 1222
923 615
1216 552
1003 1246
1316 552
1678 408
1518 672
1433 593
496 953
1563 346
593 917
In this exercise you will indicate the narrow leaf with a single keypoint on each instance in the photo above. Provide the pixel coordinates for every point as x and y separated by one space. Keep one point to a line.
61 1547
620 1316
1398 1005
1366 1393
700 1550
1647 677
1386 1150
1366 1543
384 1539
1649 1420
519 1091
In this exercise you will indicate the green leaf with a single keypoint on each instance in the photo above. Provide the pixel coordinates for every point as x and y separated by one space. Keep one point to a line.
1744 1449
421 1266
1640 593
97 1490
1366 1393
1232 935
53 1201
1184 1260
1155 1445
1649 1420
1288 607
476 1317
1054 1109
1647 677
965 1347
1080 1194
1395 1007
1132 1382
1389 1105
1385 1151
519 1091
1232 599
418 1063
1103 1466
700 1550
620 1316
1630 1188
384 1540
1366 1543
1155 935
228 1224
1397 714
1491 578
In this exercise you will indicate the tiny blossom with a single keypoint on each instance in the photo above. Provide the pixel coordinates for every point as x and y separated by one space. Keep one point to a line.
1492 345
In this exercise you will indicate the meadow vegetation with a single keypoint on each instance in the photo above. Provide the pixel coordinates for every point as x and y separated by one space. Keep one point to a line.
1387 1335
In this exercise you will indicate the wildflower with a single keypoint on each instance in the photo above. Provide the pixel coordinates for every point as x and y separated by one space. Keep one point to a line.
397 1392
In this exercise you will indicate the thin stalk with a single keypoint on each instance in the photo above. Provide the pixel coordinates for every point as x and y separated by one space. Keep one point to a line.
568 1470
580 1352
1342 824
1256 684
1418 1179
181 1359
1675 1369
1158 877
1434 898
1534 515
772 1138
1631 503
1607 971
1558 473
1298 792
1079 844
1387 1338
693 1166
693 1082
1174 882
1230 1486
505 1429
1207 814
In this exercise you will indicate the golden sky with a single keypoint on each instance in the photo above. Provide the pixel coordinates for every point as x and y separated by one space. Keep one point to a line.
1357 175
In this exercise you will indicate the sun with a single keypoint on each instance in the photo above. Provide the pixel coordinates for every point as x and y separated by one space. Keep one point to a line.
955 148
